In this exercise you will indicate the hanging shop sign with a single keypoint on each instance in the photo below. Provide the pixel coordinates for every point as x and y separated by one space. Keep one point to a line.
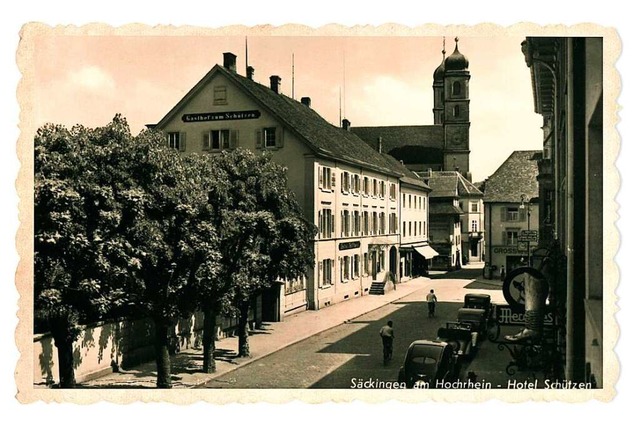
221 116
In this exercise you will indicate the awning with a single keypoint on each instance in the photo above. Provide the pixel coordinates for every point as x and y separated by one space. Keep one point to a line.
426 251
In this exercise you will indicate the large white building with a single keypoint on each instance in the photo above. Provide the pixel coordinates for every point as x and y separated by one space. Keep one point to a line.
347 189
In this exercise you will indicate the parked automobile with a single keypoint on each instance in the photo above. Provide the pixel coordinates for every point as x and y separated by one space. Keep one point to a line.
426 362
476 318
479 301
460 337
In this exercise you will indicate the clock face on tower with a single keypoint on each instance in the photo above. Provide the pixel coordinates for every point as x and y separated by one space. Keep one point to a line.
456 141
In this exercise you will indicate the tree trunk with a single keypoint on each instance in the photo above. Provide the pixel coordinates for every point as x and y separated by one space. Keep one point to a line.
209 340
243 330
163 360
65 361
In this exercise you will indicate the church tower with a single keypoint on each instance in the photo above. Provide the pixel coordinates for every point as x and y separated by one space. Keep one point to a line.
456 112
438 91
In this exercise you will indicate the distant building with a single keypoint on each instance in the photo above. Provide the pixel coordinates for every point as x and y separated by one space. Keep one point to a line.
350 191
567 81
511 207
448 219
443 145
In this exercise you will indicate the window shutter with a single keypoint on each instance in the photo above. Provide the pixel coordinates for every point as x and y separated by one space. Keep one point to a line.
333 179
233 138
259 139
320 274
205 141
319 177
333 267
503 214
183 141
320 223
279 137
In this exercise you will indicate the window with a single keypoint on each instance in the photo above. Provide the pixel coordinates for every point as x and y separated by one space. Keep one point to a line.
325 223
404 200
270 137
366 186
356 223
346 268
383 189
393 223
392 191
326 178
173 140
404 229
216 140
513 214
375 187
356 265
456 88
219 95
474 226
325 272
456 111
346 221
366 223
345 184
474 207
511 237
382 224
375 223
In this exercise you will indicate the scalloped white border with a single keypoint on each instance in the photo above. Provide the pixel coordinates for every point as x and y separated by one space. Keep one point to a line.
24 241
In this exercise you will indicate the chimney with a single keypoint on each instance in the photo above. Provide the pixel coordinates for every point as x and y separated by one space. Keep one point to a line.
229 61
346 124
380 144
275 83
306 101
250 71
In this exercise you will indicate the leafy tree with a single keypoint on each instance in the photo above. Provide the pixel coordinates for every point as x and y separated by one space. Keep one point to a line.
264 236
119 230
73 209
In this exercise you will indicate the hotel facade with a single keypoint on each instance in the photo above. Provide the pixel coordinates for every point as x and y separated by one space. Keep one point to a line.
350 191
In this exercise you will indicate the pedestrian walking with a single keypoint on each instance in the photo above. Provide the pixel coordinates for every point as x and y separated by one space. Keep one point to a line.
431 303
386 332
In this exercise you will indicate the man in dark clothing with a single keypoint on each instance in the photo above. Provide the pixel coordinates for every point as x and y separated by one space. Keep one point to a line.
431 302
386 332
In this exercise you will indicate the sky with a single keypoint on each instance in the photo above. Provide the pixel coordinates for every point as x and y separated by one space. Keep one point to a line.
371 80
614 13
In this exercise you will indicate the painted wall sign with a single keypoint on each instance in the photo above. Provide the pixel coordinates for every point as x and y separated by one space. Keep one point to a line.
348 246
509 250
221 116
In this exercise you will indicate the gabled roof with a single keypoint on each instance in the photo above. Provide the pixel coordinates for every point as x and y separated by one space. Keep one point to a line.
394 137
450 184
320 136
515 177
408 176
438 209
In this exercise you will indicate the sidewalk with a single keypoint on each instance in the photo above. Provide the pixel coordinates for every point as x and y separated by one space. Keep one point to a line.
187 365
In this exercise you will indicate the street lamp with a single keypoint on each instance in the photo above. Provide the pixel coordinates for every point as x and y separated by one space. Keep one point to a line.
525 204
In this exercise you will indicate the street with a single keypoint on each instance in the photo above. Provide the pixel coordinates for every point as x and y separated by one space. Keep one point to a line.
340 357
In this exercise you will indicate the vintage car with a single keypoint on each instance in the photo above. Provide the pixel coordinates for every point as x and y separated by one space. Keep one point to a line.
479 301
460 337
426 362
476 318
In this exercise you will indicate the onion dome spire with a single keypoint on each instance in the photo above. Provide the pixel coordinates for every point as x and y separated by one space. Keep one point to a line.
438 74
456 61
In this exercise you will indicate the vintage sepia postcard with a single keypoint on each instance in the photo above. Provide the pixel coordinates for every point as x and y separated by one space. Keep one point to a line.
280 213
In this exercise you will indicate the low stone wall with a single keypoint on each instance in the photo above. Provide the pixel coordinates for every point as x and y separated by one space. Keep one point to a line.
125 343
